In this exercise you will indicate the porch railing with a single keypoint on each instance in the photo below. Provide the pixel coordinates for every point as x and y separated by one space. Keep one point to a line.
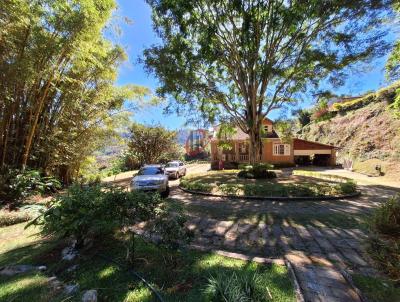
243 157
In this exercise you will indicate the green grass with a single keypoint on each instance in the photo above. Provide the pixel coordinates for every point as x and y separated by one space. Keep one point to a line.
179 276
27 287
377 289
227 183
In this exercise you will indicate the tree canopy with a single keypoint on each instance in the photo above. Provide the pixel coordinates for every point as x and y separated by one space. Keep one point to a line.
393 66
393 63
58 100
242 59
150 144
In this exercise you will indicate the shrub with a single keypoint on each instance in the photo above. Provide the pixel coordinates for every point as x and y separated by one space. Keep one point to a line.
16 185
257 171
85 213
195 185
247 287
264 166
92 211
270 174
245 167
171 229
264 190
384 238
356 103
319 114
231 165
230 189
347 187
386 219
245 174
302 191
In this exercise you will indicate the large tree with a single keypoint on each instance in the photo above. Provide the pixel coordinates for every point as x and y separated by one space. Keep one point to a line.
242 59
149 144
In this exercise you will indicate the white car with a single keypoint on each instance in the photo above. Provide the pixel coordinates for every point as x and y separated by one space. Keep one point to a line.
151 178
175 169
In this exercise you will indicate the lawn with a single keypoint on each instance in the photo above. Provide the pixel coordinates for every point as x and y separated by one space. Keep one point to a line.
178 276
227 183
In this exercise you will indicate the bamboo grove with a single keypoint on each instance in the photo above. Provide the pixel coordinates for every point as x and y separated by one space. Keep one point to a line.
58 100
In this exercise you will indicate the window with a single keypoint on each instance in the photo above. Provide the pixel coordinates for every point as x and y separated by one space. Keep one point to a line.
267 129
281 149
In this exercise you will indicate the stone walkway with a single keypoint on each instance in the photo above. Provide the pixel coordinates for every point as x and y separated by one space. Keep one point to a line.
316 254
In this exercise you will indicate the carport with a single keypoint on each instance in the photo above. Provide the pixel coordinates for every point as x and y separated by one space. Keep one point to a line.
306 152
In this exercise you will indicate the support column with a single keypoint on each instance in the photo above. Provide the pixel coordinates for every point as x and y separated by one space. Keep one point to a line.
237 151
333 158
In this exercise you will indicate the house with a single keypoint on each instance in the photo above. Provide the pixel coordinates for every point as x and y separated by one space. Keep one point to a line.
274 150
197 142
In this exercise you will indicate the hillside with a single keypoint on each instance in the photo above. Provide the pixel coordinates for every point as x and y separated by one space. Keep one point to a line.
366 130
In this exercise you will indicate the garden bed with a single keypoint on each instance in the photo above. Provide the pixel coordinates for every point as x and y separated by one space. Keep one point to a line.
226 183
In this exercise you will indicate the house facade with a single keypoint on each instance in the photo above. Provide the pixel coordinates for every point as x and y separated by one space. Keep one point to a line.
274 150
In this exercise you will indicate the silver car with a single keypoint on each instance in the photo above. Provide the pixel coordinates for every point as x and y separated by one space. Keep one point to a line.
151 178
175 169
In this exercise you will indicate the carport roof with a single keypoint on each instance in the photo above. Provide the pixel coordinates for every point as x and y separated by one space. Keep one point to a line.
299 141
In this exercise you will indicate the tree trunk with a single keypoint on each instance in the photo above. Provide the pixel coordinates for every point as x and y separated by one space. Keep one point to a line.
255 145
32 130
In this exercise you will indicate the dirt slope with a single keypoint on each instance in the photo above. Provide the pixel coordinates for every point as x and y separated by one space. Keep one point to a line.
369 135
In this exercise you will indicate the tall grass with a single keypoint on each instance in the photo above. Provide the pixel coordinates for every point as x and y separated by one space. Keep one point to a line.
384 240
238 288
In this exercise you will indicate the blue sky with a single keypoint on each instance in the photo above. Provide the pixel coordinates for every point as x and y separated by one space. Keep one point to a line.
139 35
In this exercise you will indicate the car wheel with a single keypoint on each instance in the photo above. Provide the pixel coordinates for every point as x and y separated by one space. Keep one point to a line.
165 193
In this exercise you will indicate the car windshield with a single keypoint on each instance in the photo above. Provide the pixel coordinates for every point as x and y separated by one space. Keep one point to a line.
151 171
169 165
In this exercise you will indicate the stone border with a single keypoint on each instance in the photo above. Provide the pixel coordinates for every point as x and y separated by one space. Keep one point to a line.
346 275
296 285
277 198
235 255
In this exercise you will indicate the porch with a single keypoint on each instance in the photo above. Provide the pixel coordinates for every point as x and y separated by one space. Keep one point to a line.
240 158
239 153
